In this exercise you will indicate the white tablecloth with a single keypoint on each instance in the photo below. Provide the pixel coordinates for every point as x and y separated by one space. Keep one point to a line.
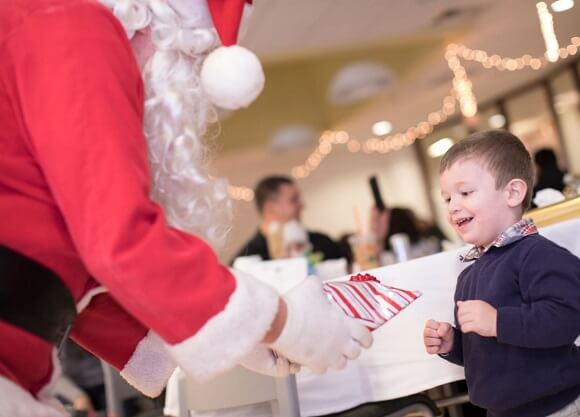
397 364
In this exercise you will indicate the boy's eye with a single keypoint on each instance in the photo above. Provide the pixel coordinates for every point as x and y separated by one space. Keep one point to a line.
447 200
466 193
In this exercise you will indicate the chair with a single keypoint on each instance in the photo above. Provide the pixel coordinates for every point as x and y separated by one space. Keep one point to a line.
450 397
117 391
236 388
416 404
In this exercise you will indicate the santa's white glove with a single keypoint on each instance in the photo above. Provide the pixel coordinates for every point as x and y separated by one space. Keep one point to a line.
316 333
263 361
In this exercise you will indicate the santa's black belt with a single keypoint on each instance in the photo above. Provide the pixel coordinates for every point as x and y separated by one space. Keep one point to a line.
34 298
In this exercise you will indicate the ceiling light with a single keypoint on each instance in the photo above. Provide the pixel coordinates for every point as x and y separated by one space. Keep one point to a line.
382 128
562 5
547 26
358 81
292 136
440 147
497 121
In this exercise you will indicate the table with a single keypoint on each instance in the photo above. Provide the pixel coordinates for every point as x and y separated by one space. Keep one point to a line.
397 364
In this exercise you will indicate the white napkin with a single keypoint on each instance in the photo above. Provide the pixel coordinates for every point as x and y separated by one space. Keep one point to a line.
548 196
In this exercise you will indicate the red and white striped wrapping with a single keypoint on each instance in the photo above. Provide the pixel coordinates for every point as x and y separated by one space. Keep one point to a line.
364 298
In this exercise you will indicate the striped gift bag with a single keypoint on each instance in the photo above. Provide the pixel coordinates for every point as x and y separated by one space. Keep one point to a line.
364 298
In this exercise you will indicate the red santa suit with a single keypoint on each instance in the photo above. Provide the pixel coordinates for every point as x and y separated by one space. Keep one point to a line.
75 197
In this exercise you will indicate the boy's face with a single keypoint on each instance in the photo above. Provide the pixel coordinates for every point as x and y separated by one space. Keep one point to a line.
475 208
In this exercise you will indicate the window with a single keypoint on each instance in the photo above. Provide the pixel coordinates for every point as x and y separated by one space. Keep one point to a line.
567 103
531 120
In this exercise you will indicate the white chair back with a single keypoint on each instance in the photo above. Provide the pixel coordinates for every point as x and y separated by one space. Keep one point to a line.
236 388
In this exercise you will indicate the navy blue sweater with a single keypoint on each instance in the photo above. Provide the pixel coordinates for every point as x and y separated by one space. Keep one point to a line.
532 368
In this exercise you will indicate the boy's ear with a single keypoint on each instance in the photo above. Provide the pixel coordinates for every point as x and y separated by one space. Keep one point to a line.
516 191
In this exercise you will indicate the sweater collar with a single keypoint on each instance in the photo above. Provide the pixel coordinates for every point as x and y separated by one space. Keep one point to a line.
515 232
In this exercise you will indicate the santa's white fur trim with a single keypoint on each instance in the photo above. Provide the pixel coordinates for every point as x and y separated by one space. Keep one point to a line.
85 301
232 77
16 402
150 366
232 333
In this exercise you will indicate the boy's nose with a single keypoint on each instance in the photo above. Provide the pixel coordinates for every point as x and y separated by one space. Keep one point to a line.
453 207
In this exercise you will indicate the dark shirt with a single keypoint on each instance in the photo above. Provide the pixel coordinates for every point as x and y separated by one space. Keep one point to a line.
532 368
320 243
82 367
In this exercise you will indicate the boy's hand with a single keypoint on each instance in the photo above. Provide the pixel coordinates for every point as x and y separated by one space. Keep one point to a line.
438 337
477 316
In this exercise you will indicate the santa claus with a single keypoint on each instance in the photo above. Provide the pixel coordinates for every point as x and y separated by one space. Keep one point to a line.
108 211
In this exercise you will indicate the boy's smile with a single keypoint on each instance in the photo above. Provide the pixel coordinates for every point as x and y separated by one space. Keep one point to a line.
462 222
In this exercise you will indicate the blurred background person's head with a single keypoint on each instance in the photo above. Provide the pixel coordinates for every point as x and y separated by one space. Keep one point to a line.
278 200
424 238
548 173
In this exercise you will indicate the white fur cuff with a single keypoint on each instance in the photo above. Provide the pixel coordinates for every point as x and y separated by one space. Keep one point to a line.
150 366
230 334
16 402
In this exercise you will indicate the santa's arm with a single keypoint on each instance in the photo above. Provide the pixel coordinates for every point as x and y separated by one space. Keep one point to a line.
105 329
80 96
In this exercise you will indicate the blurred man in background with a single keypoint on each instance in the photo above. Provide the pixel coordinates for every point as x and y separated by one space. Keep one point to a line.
280 206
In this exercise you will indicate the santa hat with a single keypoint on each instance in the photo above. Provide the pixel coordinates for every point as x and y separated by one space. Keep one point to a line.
231 75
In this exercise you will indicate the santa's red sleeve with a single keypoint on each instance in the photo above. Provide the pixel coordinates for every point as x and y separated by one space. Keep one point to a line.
81 97
104 328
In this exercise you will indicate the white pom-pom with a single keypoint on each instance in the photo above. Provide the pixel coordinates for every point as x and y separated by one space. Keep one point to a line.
232 77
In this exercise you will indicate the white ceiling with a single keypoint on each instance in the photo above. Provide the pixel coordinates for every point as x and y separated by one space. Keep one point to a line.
284 30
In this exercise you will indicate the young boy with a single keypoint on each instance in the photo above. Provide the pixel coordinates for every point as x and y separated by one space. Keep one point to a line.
517 308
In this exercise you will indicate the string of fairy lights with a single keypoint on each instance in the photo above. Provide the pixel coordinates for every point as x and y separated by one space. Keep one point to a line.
461 95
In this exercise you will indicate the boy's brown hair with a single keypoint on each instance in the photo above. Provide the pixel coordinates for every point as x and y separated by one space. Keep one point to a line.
501 152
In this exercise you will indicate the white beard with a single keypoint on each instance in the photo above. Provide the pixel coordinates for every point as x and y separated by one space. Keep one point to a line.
178 116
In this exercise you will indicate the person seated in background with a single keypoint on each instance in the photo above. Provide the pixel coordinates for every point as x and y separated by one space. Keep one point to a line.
548 174
424 238
73 397
83 370
279 203
344 243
